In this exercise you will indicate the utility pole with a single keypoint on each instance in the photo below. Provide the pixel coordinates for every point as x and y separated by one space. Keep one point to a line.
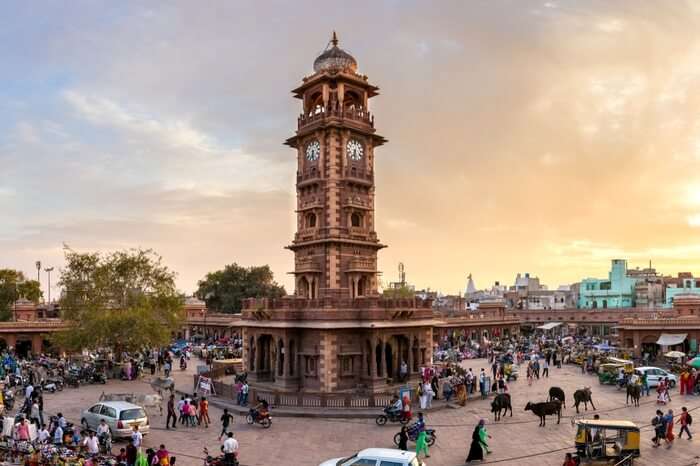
48 270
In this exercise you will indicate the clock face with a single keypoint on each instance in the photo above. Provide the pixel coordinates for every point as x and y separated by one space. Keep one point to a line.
355 149
313 150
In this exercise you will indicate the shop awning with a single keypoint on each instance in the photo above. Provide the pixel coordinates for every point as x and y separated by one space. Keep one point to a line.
549 325
670 339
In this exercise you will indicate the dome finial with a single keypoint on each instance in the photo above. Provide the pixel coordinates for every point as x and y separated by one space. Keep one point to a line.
334 40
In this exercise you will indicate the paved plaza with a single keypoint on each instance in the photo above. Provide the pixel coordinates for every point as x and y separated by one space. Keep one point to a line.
308 441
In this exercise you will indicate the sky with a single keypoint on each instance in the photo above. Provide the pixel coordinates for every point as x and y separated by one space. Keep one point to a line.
546 137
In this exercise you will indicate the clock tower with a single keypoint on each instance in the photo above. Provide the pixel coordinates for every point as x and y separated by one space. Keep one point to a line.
335 246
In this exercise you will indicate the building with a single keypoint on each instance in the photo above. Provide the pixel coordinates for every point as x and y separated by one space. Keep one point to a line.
336 333
684 284
618 290
655 335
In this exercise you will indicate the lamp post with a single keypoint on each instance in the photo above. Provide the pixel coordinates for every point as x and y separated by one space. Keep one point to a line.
38 272
48 270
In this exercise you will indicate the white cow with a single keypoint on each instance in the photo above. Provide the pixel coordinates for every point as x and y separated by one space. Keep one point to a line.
154 400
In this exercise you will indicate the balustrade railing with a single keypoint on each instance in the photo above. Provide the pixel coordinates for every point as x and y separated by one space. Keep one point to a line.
360 116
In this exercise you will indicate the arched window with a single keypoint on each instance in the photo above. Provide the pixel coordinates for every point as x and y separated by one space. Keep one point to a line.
356 220
311 220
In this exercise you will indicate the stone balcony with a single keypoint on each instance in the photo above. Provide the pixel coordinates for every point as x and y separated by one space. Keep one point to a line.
307 265
327 115
362 265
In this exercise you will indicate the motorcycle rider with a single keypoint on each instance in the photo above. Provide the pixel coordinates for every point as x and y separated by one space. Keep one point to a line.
103 434
261 409
395 406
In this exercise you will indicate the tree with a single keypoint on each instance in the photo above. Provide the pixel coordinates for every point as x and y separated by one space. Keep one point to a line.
126 300
14 286
225 290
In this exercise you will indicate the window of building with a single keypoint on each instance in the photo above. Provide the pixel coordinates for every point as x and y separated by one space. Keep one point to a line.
346 365
356 220
311 220
310 368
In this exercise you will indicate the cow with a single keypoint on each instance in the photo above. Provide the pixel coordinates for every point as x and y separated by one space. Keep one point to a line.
583 395
501 402
634 391
556 393
544 409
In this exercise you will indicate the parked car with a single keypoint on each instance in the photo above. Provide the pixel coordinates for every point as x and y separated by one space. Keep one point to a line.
654 374
120 416
377 457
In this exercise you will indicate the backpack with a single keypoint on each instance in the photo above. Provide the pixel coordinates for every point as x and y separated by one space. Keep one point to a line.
688 418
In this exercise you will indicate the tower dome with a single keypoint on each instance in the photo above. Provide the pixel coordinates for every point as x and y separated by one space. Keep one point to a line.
335 59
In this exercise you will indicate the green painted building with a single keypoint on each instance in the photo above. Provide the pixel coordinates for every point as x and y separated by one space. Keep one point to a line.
615 292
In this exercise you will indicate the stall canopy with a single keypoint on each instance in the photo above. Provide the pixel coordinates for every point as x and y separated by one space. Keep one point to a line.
670 339
549 325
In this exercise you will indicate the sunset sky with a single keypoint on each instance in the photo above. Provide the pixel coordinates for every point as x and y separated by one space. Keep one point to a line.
524 136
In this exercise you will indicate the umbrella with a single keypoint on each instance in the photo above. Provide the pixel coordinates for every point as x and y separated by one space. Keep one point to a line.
674 354
695 362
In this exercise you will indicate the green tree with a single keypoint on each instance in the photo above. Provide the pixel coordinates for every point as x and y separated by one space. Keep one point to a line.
225 290
125 301
14 286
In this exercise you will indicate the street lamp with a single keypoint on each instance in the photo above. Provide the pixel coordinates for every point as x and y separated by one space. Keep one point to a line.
48 270
38 272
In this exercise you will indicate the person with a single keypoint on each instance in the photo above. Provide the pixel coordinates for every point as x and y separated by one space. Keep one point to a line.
668 419
28 391
667 387
406 409
403 438
137 438
226 418
482 384
77 436
244 393
470 383
494 368
685 420
35 412
483 434
659 428
62 421
181 409
403 372
131 453
645 383
435 386
426 400
43 434
447 390
230 448
684 381
501 383
191 413
204 412
22 430
661 393
163 456
167 367
476 452
569 460
91 444
422 444
58 435
171 413
545 368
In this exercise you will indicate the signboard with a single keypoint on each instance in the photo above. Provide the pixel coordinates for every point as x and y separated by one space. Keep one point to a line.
205 385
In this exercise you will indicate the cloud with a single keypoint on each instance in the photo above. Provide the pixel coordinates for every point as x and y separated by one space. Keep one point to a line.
529 135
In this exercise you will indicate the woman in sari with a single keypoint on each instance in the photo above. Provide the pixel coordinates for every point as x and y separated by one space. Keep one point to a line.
661 392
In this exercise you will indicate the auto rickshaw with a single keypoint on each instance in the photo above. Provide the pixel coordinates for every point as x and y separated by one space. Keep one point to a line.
608 373
606 442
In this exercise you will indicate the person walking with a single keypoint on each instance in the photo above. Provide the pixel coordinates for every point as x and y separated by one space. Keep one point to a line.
244 390
659 428
204 412
669 428
171 413
476 451
226 418
645 383
685 420
131 453
137 438
180 409
403 438
545 368
483 435
422 444
482 384
230 448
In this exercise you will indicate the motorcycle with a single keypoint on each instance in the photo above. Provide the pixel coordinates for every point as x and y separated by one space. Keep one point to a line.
105 442
210 460
413 434
255 417
52 385
391 414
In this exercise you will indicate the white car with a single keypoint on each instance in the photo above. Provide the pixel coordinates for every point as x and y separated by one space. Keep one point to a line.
654 374
377 457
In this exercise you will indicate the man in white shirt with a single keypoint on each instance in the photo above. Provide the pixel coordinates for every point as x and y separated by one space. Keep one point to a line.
43 434
137 438
28 391
230 447
92 444
103 428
